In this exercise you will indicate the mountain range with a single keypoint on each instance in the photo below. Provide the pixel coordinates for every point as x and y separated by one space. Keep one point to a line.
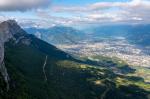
135 34
34 69
58 34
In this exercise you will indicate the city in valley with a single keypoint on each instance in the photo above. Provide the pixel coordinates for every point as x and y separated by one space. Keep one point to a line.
116 47
135 56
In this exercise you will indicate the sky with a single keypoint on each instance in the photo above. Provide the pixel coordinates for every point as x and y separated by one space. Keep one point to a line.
47 13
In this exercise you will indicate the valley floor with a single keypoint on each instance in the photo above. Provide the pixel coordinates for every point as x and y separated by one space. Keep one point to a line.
114 47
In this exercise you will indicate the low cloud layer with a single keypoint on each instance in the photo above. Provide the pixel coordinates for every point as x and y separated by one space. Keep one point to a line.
22 5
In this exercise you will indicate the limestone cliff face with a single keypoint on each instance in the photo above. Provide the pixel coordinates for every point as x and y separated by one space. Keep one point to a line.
8 29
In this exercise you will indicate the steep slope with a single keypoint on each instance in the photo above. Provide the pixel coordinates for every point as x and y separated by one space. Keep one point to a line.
58 34
38 70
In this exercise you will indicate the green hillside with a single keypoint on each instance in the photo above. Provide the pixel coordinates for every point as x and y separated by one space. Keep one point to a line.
66 77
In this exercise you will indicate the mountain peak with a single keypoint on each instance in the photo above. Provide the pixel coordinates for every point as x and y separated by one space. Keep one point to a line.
9 24
8 29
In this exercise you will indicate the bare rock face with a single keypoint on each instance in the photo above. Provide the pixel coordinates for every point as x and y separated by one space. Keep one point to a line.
8 29
1 51
5 31
4 73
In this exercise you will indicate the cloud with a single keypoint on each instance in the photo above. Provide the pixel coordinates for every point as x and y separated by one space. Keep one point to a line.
57 20
22 5
133 11
104 5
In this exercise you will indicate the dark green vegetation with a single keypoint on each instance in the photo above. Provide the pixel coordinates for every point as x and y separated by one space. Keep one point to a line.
113 64
67 78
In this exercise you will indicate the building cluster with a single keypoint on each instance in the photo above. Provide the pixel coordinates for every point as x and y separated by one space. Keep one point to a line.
120 49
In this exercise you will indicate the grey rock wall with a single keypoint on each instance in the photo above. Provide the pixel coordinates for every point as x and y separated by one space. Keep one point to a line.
7 31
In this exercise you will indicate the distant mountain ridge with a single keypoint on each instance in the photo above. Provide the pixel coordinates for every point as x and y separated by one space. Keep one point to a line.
136 34
58 34
140 35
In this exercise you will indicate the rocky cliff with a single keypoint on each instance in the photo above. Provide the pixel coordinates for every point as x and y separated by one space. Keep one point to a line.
8 29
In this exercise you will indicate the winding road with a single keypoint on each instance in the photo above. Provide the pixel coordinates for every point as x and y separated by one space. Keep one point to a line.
45 62
105 92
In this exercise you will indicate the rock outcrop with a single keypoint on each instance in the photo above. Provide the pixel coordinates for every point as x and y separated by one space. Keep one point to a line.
8 29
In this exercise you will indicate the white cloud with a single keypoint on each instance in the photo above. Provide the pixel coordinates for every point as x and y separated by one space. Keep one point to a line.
133 11
22 5
104 5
